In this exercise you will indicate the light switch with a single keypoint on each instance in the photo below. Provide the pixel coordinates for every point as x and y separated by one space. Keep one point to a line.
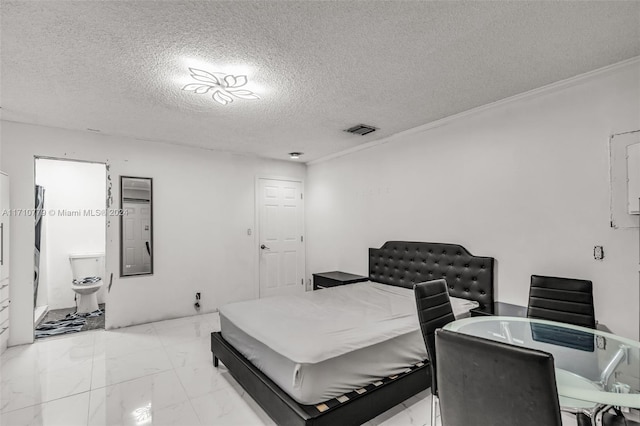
598 252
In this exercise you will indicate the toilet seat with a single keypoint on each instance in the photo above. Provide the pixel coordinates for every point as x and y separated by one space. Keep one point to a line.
87 287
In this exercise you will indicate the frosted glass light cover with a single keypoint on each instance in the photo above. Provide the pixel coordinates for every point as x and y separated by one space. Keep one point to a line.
223 87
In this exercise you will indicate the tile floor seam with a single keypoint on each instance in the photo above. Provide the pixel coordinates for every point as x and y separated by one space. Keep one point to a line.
129 353
93 363
45 402
132 379
89 409
188 397
173 344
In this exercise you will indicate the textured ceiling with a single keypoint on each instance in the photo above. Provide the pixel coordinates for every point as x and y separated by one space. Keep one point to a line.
318 67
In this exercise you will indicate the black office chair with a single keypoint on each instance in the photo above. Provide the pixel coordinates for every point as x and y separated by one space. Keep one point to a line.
434 311
565 300
488 383
610 419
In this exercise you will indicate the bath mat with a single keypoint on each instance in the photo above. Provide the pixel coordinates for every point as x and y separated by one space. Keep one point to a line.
63 326
76 315
72 323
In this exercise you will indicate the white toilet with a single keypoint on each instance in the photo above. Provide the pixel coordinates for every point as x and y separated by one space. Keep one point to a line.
87 270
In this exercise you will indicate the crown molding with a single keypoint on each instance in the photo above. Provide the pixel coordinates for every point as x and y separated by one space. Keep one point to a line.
530 94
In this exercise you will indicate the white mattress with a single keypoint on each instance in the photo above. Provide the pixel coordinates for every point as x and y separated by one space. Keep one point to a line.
322 344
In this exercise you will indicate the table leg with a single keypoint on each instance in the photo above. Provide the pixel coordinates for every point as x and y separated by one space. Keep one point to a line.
597 413
434 409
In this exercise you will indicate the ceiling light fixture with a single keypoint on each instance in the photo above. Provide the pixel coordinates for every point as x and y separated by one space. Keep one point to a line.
224 86
295 155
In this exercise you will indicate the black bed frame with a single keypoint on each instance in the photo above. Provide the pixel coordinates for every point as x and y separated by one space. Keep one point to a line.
398 263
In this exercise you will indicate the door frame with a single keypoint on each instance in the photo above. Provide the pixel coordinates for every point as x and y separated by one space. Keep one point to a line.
256 228
107 178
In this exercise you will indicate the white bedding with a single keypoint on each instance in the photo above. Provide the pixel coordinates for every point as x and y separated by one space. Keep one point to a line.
319 382
322 344
316 326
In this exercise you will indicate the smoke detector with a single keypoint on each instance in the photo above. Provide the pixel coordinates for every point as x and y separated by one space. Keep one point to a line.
361 129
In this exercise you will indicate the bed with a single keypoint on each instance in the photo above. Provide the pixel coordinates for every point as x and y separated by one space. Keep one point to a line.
356 371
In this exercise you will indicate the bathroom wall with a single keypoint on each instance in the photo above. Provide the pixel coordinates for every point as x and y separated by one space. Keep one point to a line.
42 299
204 202
72 187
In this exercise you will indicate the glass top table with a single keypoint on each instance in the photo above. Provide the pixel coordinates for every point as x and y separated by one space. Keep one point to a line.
592 367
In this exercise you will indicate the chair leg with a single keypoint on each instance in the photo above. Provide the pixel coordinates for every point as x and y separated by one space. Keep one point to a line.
583 419
434 409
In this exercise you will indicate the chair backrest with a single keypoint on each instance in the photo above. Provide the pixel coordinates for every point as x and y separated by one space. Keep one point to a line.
565 300
434 311
483 382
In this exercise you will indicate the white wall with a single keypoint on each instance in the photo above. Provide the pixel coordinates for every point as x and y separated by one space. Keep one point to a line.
70 186
203 205
524 181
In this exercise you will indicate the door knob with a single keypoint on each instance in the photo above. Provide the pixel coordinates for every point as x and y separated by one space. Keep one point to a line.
263 247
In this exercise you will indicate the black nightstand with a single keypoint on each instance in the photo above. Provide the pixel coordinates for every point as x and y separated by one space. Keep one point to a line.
335 278
500 309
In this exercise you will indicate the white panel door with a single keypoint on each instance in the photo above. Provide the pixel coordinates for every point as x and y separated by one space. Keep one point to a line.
281 241
136 238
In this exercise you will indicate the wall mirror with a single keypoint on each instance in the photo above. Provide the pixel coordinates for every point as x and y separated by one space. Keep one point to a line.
136 226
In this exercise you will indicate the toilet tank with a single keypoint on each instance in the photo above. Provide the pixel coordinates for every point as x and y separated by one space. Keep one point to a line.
85 265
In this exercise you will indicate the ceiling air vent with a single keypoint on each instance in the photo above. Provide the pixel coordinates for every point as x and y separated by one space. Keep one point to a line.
361 129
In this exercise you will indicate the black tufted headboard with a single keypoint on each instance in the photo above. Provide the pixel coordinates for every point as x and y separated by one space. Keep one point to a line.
405 263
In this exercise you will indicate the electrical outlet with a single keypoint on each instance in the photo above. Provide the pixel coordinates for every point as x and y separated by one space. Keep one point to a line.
598 252
197 304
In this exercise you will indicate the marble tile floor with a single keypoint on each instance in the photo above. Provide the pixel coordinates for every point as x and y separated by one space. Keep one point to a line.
152 374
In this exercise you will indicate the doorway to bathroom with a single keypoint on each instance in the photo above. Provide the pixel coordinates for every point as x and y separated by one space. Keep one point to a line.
69 248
